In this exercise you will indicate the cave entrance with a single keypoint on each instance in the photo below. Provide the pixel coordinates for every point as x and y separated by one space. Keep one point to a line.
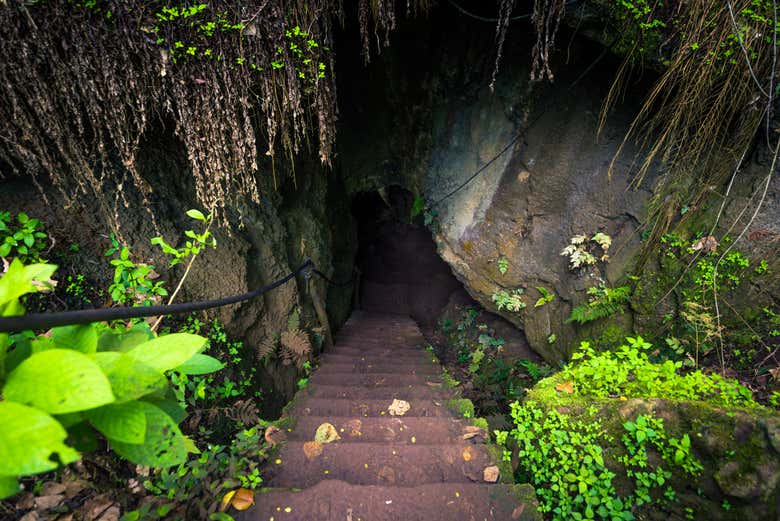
401 270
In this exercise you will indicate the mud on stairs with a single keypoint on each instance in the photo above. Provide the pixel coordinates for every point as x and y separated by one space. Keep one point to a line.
428 463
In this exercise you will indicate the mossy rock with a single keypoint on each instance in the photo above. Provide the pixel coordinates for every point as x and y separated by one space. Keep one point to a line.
739 450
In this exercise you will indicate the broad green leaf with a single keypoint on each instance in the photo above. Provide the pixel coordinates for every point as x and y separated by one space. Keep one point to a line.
9 486
124 341
196 214
164 444
200 364
131 379
167 352
19 280
79 338
21 351
107 361
171 407
42 343
125 422
59 381
28 438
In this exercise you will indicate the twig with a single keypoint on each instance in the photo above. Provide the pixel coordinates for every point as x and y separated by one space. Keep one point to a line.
744 50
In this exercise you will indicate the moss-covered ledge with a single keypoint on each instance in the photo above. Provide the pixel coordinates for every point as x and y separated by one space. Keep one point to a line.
738 449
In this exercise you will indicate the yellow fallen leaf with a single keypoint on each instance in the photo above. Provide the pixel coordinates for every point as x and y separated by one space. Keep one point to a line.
226 500
287 509
326 433
243 499
312 449
399 407
467 454
565 387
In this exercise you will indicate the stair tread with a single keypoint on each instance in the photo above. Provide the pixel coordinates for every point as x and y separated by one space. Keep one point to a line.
340 407
434 391
334 500
377 463
393 429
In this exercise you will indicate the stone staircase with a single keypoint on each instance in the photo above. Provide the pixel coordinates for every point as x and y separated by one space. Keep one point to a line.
426 464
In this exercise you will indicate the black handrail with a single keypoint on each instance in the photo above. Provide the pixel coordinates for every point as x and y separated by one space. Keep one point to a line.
86 316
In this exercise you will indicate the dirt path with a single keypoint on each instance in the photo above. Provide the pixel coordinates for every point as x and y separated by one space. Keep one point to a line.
425 464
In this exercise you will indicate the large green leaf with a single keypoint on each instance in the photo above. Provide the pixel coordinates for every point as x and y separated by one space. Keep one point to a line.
28 439
125 422
79 338
9 486
19 280
169 351
164 444
59 381
122 341
200 364
131 379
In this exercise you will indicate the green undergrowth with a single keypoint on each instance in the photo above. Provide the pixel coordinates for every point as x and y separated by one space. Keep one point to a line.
590 441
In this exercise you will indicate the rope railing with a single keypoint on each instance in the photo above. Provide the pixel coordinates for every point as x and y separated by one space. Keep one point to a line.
85 316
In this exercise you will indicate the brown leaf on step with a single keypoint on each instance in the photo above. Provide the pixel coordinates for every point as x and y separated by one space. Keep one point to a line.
565 387
516 513
399 407
354 427
467 454
312 449
472 431
326 433
490 474
243 499
274 435
386 474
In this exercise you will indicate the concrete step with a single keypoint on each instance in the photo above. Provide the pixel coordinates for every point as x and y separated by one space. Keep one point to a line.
373 379
434 391
420 431
380 367
396 464
366 408
333 500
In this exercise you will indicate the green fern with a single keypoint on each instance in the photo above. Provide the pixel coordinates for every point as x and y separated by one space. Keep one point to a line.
603 302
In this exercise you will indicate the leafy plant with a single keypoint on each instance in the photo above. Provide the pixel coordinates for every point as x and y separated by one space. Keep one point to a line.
87 379
628 372
509 301
546 297
582 252
503 265
564 459
602 302
22 238
133 283
193 245
292 347
193 490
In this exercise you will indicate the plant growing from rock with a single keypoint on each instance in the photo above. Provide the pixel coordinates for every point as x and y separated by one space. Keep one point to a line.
292 346
602 302
133 283
583 251
84 380
510 301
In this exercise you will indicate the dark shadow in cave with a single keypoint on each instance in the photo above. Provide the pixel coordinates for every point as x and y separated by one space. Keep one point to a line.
401 270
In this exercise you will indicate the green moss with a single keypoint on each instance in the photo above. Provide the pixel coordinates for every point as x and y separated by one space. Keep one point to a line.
462 407
481 423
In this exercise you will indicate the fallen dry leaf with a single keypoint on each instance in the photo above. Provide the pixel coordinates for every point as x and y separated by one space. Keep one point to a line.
565 387
326 433
274 435
472 431
312 449
706 244
399 407
467 454
226 500
243 499
354 427
490 474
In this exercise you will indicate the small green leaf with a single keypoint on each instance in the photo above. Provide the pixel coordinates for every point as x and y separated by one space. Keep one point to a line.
200 364
28 439
167 352
196 214
124 422
59 381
